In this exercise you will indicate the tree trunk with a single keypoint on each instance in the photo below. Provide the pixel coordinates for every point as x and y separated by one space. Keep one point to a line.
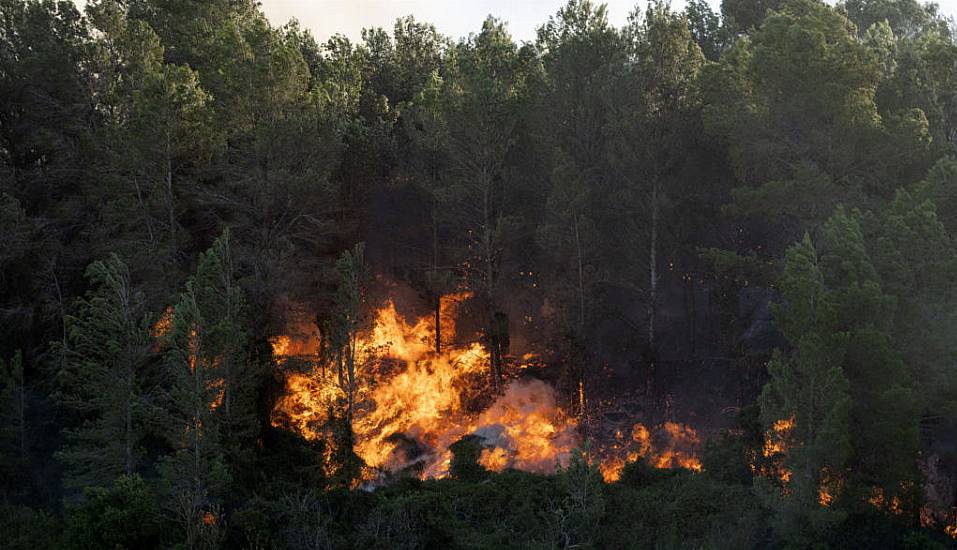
129 421
170 203
229 381
579 253
489 276
200 398
351 389
435 274
22 415
653 293
146 214
692 316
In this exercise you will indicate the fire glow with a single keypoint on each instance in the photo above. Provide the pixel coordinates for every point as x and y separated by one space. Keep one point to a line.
670 445
413 403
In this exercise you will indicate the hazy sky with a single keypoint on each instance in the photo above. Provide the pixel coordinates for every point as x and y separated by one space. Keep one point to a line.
455 18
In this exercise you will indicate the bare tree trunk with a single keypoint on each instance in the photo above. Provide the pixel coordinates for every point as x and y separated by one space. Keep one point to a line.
653 293
581 278
489 276
351 366
692 315
435 265
22 414
170 203
581 320
228 374
198 390
146 214
129 420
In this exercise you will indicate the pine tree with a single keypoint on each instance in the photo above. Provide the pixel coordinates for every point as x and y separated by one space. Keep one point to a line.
808 387
211 404
488 78
656 105
103 379
914 252
346 322
157 128
884 406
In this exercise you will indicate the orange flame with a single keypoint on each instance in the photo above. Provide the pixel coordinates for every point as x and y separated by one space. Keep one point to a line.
776 446
671 445
412 403
162 325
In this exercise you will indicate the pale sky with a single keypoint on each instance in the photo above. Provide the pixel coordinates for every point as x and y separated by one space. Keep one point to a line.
455 18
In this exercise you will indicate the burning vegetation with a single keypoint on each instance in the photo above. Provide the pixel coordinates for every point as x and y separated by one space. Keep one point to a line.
412 403
685 283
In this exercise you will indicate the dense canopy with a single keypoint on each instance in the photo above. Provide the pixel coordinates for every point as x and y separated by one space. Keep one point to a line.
689 283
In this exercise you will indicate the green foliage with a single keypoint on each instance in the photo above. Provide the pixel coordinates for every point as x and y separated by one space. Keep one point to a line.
27 529
583 505
124 516
465 459
661 171
103 379
811 387
211 407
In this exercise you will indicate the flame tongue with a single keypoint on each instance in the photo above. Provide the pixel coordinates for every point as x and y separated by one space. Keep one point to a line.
670 445
412 404
410 394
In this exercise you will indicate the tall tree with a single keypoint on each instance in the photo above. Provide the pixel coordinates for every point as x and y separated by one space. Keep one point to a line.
211 404
156 132
428 164
707 29
795 150
489 75
880 385
582 55
346 322
810 390
104 378
914 253
650 131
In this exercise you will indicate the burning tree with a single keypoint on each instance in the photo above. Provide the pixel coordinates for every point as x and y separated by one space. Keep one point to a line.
485 93
342 328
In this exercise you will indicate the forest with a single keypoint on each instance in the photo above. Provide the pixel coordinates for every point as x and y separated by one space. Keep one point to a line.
688 283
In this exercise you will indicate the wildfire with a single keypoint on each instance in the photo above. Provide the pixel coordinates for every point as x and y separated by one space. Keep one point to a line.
412 403
776 446
775 440
162 325
951 529
670 445
281 345
879 500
